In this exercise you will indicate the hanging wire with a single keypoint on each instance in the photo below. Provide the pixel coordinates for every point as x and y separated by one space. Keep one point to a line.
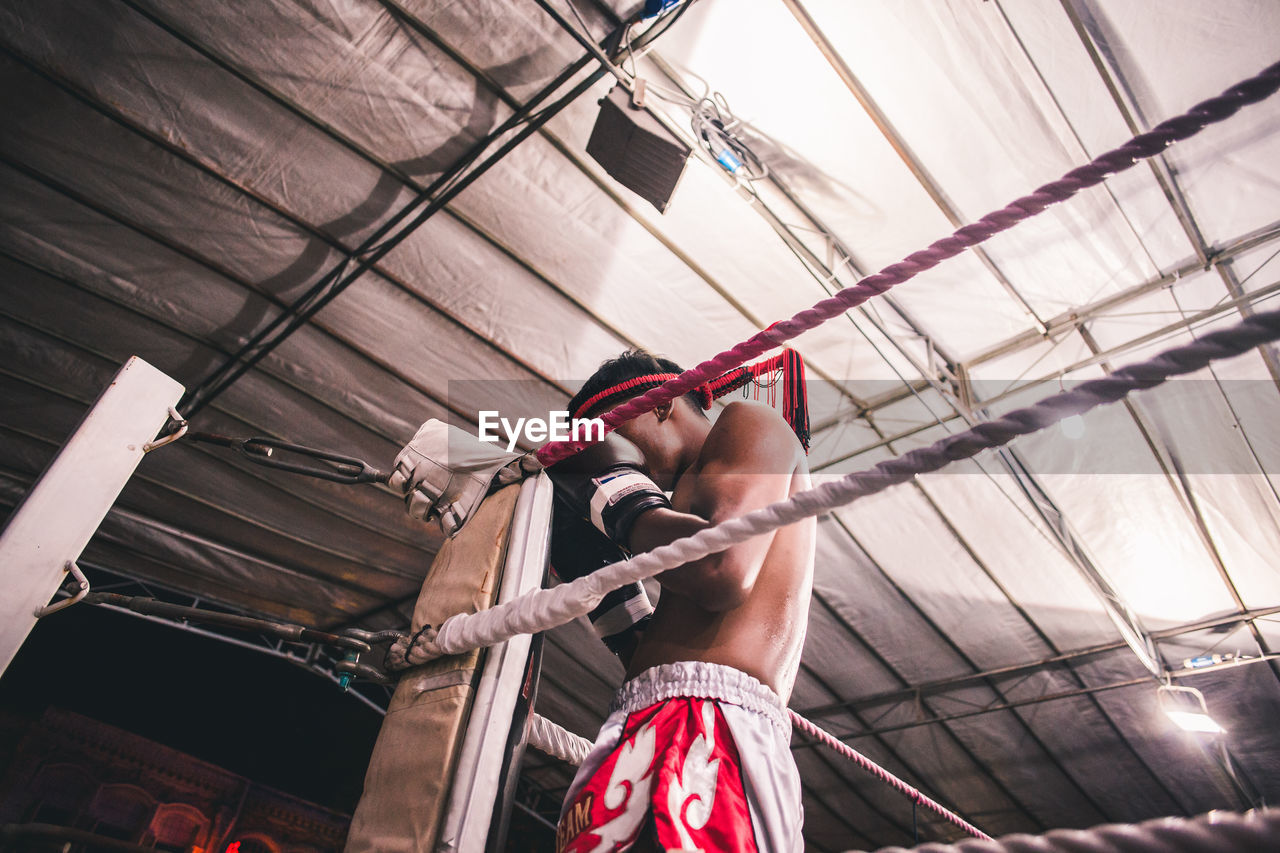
714 126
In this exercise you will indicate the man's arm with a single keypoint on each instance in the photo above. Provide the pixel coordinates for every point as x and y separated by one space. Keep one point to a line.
746 463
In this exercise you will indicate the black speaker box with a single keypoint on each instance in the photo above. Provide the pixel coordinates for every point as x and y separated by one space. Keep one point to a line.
636 150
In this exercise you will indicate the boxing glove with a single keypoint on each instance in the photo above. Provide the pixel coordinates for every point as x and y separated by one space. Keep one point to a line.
608 485
579 549
445 472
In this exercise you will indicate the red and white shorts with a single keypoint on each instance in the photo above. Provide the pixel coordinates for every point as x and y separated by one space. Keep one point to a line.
697 754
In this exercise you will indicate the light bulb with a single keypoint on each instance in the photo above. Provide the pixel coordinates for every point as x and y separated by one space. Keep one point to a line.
1194 721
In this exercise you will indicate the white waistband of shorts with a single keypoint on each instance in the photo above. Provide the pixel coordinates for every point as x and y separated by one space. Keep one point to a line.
704 681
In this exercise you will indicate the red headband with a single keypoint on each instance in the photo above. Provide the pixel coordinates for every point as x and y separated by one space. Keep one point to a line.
638 383
795 403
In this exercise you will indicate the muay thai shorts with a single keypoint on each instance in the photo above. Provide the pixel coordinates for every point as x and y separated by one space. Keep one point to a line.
695 755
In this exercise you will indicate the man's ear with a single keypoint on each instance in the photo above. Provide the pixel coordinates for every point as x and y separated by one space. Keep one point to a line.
663 411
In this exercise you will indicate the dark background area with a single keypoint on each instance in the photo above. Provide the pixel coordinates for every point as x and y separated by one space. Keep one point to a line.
255 715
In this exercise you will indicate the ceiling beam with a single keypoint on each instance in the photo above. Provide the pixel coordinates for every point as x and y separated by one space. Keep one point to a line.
1067 322
405 179
943 685
430 200
1113 77
1034 700
1172 328
1070 319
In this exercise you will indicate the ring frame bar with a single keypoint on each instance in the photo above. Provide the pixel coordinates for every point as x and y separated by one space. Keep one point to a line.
54 522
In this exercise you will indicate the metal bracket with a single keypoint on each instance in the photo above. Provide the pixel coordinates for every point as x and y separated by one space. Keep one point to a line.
638 94
82 584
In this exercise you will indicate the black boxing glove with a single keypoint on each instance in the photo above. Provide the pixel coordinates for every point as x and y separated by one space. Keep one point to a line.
579 549
608 485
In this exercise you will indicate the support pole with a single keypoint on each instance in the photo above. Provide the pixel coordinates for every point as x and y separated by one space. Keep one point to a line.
54 522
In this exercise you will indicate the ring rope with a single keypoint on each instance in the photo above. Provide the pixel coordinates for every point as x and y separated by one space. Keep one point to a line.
1117 160
543 609
557 741
1215 832
560 743
909 791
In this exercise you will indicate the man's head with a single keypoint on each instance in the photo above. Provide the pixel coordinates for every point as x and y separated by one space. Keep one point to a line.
670 435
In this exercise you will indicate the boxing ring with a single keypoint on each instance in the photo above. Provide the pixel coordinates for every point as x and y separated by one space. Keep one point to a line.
541 610
443 770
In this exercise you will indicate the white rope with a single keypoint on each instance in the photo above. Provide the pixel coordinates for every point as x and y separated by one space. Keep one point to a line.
544 609
557 741
541 610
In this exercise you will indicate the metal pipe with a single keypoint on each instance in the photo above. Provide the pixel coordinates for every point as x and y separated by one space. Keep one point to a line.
1035 700
1071 318
261 649
280 630
942 684
1172 328
1068 321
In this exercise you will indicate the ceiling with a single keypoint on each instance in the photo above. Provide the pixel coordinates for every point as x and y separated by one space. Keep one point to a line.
174 175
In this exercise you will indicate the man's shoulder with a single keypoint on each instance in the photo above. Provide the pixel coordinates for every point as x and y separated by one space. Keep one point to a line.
763 422
750 433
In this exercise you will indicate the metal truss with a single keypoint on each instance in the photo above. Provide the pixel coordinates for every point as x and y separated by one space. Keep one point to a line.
312 656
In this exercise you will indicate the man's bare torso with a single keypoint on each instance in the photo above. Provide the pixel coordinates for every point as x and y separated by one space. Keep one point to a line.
762 636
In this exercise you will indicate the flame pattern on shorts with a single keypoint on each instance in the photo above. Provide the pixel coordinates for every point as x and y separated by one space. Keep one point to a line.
676 767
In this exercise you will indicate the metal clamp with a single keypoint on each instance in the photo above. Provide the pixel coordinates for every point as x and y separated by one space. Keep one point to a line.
351 669
82 584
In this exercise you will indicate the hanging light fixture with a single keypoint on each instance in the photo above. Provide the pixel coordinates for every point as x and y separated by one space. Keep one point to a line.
1186 707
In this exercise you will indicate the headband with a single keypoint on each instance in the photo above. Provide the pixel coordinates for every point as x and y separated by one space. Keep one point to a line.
795 397
640 384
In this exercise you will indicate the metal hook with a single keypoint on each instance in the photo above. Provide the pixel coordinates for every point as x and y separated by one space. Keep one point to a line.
82 590
183 426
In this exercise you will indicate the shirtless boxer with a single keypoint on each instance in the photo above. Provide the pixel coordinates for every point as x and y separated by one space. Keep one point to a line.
695 752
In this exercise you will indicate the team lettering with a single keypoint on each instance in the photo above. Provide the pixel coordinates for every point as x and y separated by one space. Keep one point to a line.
577 819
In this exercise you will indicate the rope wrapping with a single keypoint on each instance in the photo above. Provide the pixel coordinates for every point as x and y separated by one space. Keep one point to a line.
557 741
543 609
1215 832
1138 148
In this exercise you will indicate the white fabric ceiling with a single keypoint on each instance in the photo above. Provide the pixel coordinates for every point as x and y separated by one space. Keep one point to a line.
175 173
